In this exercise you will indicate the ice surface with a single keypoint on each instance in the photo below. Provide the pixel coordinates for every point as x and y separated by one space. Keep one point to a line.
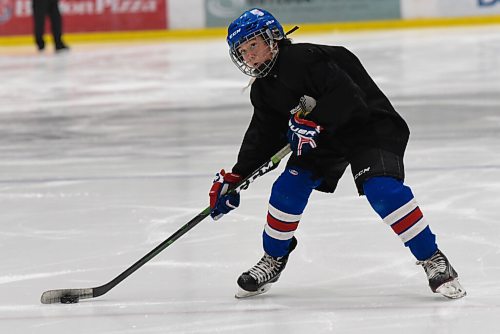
107 150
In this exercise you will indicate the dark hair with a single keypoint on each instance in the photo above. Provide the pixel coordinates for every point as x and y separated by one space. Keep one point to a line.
284 42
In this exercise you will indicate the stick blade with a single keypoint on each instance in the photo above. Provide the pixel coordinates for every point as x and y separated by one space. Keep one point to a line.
54 296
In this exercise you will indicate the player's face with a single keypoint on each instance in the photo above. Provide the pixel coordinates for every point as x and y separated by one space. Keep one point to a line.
255 52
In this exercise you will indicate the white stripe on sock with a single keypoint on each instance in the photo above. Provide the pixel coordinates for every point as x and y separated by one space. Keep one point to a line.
413 231
401 212
277 234
283 216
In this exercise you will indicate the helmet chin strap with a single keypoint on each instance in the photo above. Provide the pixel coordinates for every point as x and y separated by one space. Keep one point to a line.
263 66
273 48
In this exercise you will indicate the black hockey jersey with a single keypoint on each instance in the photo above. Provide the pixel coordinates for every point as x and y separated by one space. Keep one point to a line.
354 113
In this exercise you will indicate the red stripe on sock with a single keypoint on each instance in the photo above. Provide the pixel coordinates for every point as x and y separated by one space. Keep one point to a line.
407 221
279 225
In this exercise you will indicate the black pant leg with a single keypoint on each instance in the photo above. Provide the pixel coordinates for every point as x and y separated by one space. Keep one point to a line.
55 22
376 162
39 12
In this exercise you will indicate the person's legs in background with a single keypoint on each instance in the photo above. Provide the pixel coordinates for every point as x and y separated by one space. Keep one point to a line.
39 13
56 24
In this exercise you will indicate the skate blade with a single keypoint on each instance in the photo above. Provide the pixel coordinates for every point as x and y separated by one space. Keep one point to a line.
452 289
245 294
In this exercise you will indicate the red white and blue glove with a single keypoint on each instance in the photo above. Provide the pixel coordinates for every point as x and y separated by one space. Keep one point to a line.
220 201
302 134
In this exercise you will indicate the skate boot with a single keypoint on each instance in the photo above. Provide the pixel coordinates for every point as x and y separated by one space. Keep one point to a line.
442 277
259 278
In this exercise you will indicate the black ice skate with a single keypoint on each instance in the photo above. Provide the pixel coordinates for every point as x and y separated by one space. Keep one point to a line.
259 278
442 277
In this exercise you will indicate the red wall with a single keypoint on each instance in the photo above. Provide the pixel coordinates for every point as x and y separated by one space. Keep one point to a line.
88 15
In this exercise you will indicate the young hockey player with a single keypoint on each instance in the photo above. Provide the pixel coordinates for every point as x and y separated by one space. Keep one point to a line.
321 101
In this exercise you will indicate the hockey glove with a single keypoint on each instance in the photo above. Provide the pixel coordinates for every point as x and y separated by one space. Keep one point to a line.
302 134
221 202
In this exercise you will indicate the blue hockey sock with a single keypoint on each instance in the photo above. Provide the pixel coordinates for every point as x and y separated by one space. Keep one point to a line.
289 197
396 205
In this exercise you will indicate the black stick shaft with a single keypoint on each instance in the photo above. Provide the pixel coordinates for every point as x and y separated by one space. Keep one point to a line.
244 184
98 291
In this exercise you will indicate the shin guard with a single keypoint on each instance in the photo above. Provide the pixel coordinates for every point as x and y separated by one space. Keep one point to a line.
396 205
289 197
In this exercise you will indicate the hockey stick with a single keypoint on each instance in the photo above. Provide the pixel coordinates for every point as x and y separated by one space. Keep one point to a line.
74 295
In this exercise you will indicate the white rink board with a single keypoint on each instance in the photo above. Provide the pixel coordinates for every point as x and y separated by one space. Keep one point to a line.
411 9
185 14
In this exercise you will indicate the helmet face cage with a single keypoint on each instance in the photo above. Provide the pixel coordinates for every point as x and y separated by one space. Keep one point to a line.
264 68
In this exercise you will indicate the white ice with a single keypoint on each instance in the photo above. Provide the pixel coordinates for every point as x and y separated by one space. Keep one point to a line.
109 149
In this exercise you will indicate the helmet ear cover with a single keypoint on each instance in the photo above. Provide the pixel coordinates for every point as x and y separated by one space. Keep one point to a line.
275 34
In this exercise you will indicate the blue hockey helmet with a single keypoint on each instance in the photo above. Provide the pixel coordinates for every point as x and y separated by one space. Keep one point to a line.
251 24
